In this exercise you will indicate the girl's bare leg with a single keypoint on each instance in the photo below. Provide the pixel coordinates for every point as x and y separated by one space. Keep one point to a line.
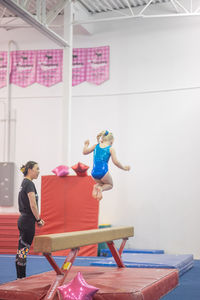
95 191
95 188
106 183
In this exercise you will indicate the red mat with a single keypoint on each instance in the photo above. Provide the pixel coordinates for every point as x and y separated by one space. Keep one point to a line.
113 283
67 205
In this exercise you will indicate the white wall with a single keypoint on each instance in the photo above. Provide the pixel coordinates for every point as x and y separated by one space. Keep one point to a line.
38 121
156 132
159 138
149 105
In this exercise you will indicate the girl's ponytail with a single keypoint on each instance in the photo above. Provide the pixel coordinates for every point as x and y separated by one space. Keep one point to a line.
104 136
100 135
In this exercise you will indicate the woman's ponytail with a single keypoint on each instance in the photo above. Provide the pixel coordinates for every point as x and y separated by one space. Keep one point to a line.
28 165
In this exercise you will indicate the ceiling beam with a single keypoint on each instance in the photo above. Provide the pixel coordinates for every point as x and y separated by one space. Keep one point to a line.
139 15
1 16
86 7
19 10
26 4
95 6
56 10
114 4
179 4
129 6
102 6
141 12
117 9
81 13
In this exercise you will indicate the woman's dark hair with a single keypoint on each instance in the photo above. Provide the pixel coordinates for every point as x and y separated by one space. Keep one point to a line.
29 165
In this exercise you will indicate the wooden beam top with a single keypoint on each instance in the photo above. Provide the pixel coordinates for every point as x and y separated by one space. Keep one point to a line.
69 240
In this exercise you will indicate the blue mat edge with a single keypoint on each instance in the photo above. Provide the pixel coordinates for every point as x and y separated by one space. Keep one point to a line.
182 267
149 251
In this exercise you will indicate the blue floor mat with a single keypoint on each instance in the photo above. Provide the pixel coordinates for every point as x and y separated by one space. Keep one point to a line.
188 288
107 253
35 264
182 262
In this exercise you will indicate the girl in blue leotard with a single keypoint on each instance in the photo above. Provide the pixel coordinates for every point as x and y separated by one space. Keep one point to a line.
102 151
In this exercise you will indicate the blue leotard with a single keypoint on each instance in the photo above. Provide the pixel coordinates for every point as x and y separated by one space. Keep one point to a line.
100 161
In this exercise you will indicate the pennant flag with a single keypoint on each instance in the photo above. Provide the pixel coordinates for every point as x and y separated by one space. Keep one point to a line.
3 68
79 65
49 66
23 67
97 70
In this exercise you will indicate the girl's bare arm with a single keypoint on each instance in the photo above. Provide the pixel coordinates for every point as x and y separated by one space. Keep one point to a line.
116 162
86 149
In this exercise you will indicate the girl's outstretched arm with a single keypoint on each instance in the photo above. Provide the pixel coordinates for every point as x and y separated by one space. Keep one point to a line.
86 149
116 162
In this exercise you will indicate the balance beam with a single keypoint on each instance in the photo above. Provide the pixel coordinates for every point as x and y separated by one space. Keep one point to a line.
70 240
74 240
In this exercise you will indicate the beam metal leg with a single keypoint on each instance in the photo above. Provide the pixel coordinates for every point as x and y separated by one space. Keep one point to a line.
116 254
121 249
61 273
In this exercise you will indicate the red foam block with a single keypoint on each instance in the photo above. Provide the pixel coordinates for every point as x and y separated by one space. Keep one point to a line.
113 283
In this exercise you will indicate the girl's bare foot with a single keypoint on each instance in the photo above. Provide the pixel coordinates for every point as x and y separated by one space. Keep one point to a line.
95 191
99 193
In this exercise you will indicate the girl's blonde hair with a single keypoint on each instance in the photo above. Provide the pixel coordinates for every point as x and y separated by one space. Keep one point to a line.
105 135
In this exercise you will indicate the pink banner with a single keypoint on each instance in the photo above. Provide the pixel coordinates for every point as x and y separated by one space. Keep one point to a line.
3 68
49 66
97 69
45 66
23 68
79 65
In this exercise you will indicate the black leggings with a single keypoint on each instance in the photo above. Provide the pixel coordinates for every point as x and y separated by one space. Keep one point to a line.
26 226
